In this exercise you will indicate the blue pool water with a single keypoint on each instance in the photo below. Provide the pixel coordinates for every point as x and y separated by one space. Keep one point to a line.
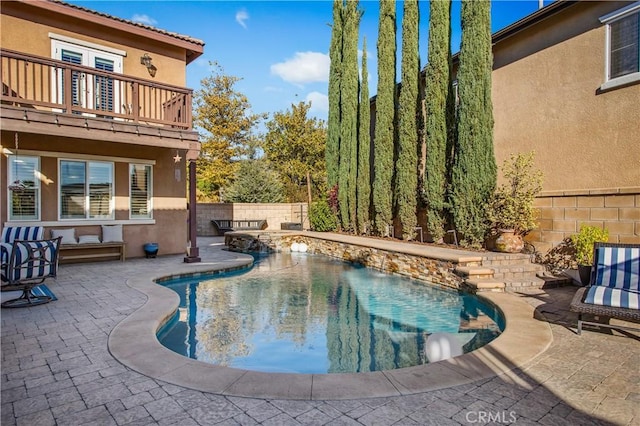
304 313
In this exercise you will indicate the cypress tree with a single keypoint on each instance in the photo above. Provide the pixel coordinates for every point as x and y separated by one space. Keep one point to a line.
364 148
409 106
473 177
385 117
332 149
349 113
439 102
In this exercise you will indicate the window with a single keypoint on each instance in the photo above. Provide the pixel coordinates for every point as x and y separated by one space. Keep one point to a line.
24 204
623 45
140 191
95 92
86 190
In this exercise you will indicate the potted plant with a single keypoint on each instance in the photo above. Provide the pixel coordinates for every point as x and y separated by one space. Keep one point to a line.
511 211
583 242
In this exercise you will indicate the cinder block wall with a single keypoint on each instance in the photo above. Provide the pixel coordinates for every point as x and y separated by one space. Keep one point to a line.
274 214
562 213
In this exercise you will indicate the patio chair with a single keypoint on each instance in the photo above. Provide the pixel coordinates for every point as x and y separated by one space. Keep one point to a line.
12 233
615 286
30 263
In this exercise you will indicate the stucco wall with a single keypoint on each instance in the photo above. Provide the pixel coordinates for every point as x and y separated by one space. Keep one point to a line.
26 29
546 98
275 214
169 189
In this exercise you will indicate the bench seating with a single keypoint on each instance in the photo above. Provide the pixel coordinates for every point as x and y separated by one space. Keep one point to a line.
225 225
88 251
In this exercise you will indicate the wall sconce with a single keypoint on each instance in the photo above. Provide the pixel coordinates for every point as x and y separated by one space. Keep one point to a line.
146 61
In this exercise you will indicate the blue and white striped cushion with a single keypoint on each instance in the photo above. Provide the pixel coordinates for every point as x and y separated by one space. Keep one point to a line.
615 297
12 233
39 267
618 267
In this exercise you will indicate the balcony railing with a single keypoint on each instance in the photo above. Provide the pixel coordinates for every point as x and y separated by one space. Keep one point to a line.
64 88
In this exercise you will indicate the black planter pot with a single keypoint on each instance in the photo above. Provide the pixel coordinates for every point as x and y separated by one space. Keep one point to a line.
585 274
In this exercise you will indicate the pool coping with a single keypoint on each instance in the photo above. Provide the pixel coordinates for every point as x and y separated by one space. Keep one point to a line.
133 342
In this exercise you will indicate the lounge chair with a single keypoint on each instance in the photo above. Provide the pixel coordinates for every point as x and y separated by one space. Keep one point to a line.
30 263
615 286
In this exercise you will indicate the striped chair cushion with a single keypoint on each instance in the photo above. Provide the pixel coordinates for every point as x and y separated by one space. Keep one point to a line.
12 233
31 260
618 267
615 297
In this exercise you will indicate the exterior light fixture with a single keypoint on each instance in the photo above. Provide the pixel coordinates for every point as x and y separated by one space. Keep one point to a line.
146 61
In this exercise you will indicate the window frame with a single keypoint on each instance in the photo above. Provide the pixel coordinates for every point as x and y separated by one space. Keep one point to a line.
607 20
87 191
37 186
149 192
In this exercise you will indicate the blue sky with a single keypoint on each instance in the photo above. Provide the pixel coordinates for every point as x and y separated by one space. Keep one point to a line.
279 49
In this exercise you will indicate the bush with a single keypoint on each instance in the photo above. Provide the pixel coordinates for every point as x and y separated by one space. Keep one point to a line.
584 241
321 217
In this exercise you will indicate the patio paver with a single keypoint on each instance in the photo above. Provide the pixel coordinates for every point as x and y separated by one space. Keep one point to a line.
57 369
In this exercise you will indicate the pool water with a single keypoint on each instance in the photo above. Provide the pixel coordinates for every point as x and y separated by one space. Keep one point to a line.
305 313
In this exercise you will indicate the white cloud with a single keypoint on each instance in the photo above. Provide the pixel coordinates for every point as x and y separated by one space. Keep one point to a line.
241 17
319 102
304 67
144 19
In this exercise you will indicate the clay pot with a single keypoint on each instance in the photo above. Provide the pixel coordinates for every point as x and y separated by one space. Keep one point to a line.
509 242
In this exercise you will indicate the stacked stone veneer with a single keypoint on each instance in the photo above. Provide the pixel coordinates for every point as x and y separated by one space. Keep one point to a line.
275 214
417 267
562 213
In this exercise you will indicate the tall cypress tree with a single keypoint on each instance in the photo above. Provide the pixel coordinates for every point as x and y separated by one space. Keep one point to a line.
439 102
332 149
349 112
364 148
406 172
473 177
385 117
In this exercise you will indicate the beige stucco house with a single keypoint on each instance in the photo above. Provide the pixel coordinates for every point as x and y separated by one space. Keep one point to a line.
566 83
96 122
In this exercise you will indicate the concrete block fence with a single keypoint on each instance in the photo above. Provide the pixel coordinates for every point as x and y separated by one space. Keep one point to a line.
562 213
274 214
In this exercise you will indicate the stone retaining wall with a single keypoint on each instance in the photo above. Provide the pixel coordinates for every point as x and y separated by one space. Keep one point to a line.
416 267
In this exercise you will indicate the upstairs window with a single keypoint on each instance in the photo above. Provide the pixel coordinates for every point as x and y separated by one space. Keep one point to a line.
24 204
623 45
86 190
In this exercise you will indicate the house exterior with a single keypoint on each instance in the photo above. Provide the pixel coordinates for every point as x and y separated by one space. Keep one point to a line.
566 83
96 124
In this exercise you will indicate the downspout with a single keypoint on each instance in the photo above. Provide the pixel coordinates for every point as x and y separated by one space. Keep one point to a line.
193 255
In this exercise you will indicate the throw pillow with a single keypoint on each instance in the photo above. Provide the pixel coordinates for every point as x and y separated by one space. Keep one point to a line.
68 235
89 239
112 233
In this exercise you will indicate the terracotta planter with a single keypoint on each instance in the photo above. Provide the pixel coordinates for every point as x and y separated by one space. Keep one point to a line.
508 242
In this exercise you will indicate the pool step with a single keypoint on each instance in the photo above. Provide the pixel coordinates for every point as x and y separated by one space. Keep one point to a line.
478 285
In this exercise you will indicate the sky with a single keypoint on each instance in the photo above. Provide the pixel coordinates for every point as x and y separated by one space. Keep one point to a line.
280 49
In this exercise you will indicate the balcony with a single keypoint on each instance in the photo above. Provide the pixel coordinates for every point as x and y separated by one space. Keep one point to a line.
50 92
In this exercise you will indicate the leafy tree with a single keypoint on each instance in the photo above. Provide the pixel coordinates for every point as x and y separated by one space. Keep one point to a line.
364 149
385 117
321 218
409 107
332 151
473 176
223 115
255 182
295 146
440 118
349 116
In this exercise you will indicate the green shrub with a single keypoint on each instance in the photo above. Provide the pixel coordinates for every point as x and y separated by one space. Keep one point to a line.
321 217
584 241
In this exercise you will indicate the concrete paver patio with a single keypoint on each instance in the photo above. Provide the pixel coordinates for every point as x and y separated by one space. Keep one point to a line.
57 368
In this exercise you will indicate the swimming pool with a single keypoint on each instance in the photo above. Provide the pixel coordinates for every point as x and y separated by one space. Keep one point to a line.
304 313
